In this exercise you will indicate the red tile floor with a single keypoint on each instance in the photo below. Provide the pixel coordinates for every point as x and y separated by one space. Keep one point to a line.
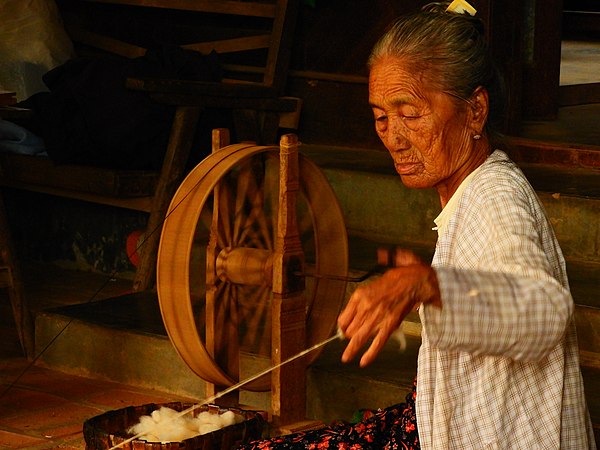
45 409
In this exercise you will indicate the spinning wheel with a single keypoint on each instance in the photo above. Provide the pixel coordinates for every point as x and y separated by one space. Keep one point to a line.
252 261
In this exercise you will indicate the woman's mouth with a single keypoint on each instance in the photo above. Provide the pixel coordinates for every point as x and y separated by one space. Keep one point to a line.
405 168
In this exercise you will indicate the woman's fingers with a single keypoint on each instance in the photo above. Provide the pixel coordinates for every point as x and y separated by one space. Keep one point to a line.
367 315
376 346
358 322
354 345
347 315
360 338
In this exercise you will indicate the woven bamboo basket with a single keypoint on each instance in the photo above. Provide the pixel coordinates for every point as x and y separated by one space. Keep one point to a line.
109 429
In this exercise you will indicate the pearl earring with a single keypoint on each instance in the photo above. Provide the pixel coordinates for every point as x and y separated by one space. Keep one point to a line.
477 137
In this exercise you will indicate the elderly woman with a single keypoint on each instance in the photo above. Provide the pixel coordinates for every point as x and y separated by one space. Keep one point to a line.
498 366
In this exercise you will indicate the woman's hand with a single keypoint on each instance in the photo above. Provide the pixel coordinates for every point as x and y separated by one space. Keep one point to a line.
377 309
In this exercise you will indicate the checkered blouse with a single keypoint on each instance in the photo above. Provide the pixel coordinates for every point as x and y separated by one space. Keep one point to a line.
499 364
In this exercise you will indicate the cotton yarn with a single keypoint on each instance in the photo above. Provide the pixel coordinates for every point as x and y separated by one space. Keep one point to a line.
167 425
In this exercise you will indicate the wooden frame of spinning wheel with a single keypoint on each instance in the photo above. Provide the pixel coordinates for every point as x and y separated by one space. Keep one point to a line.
295 323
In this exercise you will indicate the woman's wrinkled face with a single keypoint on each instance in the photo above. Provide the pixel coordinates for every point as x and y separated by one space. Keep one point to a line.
421 126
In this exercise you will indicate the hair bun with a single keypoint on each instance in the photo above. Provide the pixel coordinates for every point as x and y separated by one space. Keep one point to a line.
436 7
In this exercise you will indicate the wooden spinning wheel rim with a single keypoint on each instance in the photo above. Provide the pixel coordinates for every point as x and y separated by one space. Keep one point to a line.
177 239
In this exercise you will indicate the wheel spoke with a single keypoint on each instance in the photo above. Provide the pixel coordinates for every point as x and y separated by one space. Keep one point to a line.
250 233
256 229
232 333
224 208
243 182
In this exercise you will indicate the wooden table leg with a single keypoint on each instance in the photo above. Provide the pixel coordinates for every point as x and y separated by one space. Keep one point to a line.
10 279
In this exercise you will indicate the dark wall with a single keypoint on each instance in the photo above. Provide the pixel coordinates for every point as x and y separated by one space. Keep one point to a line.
336 36
334 113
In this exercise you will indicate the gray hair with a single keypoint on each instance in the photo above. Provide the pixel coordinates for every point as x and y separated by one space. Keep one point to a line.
449 50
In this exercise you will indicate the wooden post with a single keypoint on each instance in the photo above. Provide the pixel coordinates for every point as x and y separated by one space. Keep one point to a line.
288 383
171 175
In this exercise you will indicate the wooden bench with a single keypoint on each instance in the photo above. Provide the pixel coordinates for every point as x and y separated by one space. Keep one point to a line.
253 38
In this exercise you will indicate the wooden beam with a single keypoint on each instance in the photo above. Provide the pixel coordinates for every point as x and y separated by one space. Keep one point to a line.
256 9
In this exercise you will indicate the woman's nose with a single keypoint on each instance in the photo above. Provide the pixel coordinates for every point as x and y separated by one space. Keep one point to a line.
396 138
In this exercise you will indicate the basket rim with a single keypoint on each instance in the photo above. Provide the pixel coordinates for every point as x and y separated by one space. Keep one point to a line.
254 420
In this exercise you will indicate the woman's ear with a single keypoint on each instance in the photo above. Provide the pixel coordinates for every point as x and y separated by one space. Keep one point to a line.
479 108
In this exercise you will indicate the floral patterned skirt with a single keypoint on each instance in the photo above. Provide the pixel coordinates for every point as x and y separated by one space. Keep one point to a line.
391 428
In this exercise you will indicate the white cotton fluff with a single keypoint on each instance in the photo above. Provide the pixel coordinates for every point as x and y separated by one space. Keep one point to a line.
167 425
400 338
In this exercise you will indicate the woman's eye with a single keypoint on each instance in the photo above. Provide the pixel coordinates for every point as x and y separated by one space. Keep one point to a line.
380 122
410 114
